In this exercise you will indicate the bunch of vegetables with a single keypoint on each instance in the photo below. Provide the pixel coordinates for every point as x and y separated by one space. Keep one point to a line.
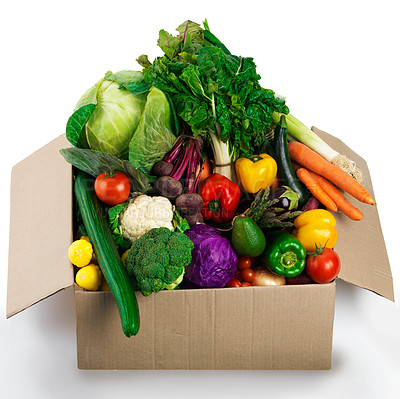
185 177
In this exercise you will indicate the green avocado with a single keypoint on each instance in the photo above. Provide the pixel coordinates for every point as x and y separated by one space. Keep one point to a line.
247 238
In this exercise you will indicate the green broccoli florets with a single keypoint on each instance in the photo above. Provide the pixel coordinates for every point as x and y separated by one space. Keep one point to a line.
158 259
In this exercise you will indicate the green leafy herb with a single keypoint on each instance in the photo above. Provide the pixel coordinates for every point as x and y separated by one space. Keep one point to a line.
132 81
180 224
216 93
96 162
116 230
143 60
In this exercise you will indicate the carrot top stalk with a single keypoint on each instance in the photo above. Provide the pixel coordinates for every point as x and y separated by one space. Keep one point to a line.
316 163
340 200
315 189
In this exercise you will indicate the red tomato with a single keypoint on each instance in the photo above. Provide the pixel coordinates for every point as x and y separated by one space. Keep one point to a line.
244 262
323 268
112 188
234 283
246 284
247 275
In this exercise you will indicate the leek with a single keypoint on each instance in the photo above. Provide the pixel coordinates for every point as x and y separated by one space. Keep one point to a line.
302 133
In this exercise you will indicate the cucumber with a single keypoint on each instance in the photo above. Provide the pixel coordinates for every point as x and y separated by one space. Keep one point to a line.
286 171
106 253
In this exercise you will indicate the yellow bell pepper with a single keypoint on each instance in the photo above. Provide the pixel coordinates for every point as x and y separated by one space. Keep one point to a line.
256 173
316 228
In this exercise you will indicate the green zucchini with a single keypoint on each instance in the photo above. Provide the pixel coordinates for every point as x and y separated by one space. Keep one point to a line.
110 263
286 171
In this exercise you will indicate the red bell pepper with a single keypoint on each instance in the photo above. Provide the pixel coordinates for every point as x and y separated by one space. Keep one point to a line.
220 198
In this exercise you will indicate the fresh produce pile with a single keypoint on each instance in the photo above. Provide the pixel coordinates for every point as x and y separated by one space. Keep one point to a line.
189 174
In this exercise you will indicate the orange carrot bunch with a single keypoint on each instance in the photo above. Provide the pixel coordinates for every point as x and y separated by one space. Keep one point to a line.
321 177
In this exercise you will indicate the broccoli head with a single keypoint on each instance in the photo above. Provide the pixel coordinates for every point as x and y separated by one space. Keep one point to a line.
158 259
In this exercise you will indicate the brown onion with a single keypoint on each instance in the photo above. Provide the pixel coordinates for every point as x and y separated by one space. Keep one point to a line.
265 277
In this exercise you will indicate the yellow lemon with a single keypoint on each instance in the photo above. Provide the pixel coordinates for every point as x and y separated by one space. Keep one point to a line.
89 277
80 253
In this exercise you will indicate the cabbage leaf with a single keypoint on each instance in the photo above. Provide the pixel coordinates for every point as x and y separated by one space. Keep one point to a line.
154 136
76 133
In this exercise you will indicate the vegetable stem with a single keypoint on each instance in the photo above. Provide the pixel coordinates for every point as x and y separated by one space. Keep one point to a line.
222 157
186 158
171 156
302 133
187 152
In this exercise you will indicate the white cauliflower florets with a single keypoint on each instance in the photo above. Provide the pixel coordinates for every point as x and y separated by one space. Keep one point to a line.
145 213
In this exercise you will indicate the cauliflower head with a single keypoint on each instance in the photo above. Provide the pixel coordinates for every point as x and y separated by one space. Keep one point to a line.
145 213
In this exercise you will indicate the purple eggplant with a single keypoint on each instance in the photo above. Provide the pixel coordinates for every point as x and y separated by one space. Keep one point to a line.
288 200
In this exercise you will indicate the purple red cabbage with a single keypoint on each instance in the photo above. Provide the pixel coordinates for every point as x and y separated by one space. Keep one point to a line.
214 262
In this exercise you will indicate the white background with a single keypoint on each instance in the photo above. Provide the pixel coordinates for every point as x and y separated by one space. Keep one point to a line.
338 65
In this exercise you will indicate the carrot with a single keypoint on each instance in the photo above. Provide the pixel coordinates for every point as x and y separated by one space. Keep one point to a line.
309 159
340 200
316 190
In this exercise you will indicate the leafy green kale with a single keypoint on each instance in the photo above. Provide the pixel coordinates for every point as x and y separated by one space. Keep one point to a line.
116 230
212 90
95 163
158 259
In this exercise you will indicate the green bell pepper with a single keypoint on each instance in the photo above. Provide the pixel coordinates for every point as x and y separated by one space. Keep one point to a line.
284 254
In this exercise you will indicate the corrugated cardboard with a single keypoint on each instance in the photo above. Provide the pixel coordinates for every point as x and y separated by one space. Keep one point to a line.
287 327
361 245
283 327
40 227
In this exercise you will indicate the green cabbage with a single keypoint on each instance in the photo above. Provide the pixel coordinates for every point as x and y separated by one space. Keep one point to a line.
154 135
115 119
108 114
122 115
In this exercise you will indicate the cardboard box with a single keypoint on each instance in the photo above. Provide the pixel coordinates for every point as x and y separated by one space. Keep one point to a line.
281 327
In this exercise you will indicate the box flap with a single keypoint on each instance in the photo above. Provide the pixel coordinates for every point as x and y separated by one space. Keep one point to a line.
361 245
40 227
